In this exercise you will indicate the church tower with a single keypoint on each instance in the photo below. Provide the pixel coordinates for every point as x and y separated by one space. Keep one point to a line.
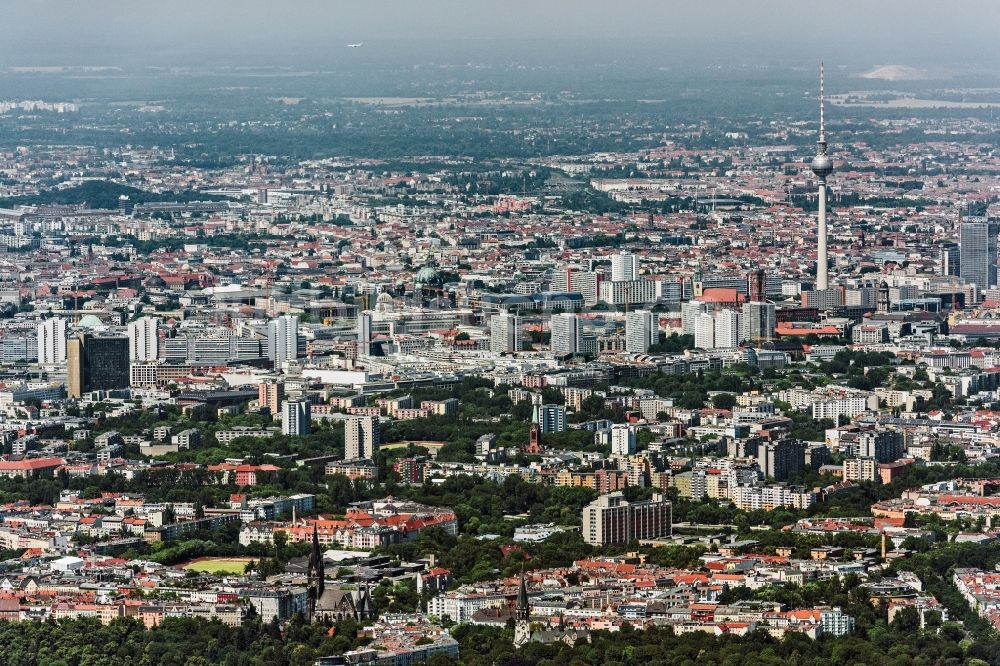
316 575
522 612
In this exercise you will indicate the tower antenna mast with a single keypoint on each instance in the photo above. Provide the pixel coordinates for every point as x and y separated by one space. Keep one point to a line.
822 166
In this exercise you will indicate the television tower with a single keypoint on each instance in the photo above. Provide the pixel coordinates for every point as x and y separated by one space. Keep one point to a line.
822 166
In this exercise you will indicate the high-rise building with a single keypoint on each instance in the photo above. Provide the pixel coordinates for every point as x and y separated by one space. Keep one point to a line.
689 312
504 336
825 299
950 259
362 436
624 266
727 329
757 285
610 519
270 395
52 341
143 343
865 297
781 459
885 446
551 418
585 283
629 292
860 469
295 417
623 440
642 330
565 334
364 333
704 331
822 166
759 321
978 251
96 363
283 340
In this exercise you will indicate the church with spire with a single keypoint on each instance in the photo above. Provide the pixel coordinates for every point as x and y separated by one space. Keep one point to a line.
328 606
550 630
522 616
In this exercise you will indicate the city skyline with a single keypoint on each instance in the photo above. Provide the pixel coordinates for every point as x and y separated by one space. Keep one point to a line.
495 334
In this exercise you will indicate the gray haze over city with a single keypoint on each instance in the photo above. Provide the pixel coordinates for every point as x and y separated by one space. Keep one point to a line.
857 32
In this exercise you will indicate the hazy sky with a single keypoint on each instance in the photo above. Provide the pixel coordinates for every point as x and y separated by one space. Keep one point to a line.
94 31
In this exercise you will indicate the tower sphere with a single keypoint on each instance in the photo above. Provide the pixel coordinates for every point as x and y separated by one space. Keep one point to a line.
822 165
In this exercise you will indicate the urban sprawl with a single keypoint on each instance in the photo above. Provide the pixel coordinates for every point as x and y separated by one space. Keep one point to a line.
743 390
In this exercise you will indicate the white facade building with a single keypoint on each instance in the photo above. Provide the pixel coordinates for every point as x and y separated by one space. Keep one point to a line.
295 417
143 343
642 330
727 329
504 336
565 334
690 312
704 331
283 340
623 440
624 267
52 341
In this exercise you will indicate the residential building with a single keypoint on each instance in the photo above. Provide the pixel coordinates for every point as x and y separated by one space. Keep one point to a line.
861 469
835 622
362 436
295 417
565 334
143 343
641 331
727 329
270 395
624 267
779 460
52 341
551 418
610 519
885 446
704 331
689 314
504 334
623 440
282 340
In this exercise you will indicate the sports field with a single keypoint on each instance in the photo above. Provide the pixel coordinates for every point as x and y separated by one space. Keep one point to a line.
218 565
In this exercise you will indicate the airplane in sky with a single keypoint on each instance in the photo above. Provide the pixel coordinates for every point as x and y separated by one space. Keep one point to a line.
355 46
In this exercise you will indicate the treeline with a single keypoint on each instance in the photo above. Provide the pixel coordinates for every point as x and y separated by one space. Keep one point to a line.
176 642
899 644
103 194
244 242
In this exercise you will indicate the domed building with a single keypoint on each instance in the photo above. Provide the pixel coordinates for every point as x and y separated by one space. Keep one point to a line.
90 321
384 302
427 275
